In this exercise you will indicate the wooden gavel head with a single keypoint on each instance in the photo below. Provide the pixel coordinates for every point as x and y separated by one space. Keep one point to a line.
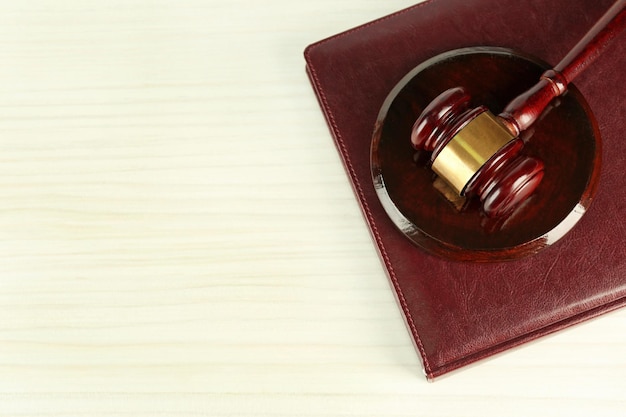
476 153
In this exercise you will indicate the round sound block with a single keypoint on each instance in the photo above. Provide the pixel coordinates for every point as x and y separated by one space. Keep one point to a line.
566 139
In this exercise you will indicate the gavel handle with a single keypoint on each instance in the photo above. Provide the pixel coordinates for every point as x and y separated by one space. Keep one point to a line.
524 110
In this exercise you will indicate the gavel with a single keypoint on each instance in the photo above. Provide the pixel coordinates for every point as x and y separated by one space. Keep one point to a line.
480 154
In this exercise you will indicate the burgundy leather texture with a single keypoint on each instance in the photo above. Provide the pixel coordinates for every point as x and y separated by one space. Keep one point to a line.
459 312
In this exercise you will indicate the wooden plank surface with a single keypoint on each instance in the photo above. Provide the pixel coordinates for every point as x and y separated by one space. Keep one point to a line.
178 236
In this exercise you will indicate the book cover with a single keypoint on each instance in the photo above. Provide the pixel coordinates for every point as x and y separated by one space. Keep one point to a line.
462 312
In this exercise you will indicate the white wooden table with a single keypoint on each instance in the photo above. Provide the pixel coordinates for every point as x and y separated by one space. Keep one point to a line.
178 236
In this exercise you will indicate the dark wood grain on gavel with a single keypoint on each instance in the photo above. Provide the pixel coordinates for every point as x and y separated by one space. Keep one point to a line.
480 154
524 110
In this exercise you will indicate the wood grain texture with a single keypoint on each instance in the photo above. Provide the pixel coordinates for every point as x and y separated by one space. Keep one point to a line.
178 237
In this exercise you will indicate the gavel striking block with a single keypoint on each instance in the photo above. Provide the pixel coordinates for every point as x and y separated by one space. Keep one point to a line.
480 154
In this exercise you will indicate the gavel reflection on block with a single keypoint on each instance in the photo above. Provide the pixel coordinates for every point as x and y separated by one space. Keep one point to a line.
480 154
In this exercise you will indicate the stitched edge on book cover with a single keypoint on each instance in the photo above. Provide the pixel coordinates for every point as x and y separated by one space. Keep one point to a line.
357 185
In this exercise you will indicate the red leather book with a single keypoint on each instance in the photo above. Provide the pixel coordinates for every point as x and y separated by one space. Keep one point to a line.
461 312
